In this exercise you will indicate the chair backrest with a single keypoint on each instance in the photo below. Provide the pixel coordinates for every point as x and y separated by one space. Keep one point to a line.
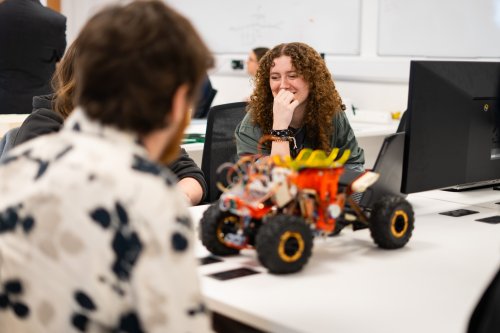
402 123
220 144
206 98
389 165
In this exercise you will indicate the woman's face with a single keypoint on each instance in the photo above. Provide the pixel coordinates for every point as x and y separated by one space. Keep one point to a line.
252 64
283 76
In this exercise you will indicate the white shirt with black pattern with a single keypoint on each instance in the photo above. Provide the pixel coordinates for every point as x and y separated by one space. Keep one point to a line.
94 237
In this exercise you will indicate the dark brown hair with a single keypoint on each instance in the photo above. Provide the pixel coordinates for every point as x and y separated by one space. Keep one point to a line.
322 104
132 59
259 52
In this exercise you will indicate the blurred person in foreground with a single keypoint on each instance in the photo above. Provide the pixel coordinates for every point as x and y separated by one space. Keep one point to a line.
94 234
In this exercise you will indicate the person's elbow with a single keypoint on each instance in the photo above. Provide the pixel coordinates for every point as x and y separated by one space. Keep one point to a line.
192 189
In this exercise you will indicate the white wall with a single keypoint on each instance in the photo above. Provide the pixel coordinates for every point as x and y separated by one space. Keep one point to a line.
77 13
367 80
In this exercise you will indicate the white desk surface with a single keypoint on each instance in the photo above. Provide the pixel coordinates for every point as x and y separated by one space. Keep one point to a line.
360 128
195 150
350 285
486 197
8 121
366 129
196 126
370 136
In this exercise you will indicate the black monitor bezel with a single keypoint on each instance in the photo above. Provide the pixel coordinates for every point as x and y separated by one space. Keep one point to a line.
439 147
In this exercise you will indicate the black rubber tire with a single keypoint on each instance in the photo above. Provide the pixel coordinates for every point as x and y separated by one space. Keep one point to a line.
210 228
391 222
284 244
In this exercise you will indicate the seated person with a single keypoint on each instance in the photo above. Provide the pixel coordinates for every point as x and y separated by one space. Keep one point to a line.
253 60
49 112
94 234
295 101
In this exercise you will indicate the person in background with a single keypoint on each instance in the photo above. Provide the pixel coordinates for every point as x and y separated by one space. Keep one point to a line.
253 59
49 112
94 234
296 102
32 41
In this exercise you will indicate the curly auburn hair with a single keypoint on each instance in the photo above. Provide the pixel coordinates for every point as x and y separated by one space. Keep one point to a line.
322 104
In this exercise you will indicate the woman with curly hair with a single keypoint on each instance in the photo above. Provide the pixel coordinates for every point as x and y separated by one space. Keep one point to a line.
295 101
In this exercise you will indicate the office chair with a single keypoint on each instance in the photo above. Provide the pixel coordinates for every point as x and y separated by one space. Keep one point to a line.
220 145
205 100
402 123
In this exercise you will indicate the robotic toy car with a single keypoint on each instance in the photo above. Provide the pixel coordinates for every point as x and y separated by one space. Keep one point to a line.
277 205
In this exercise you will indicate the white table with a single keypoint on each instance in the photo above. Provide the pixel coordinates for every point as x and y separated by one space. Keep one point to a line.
195 150
8 121
349 285
370 136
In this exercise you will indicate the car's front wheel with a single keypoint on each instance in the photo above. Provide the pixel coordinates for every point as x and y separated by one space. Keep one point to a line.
284 244
215 225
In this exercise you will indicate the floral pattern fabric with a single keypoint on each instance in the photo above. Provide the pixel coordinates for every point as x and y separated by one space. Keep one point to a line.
94 237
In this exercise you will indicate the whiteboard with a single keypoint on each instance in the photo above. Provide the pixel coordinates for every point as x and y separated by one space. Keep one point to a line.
440 28
237 26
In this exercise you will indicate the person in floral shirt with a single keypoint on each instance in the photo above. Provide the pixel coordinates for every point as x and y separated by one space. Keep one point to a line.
94 234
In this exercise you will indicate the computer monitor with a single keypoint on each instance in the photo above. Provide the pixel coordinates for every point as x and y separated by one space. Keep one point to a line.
452 136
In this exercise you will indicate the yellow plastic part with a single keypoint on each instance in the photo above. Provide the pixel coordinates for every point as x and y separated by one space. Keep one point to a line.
309 158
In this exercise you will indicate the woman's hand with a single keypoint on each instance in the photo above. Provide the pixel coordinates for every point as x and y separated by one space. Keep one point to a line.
283 108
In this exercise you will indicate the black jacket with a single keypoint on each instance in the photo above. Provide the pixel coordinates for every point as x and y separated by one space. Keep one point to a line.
44 121
32 40
41 121
485 318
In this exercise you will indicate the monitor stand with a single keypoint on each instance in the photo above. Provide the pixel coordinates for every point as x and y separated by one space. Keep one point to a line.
495 183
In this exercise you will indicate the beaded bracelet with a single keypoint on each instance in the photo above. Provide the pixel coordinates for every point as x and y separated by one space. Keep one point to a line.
283 139
281 133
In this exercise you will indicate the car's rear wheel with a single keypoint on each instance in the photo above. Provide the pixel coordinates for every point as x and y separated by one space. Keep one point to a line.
391 222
